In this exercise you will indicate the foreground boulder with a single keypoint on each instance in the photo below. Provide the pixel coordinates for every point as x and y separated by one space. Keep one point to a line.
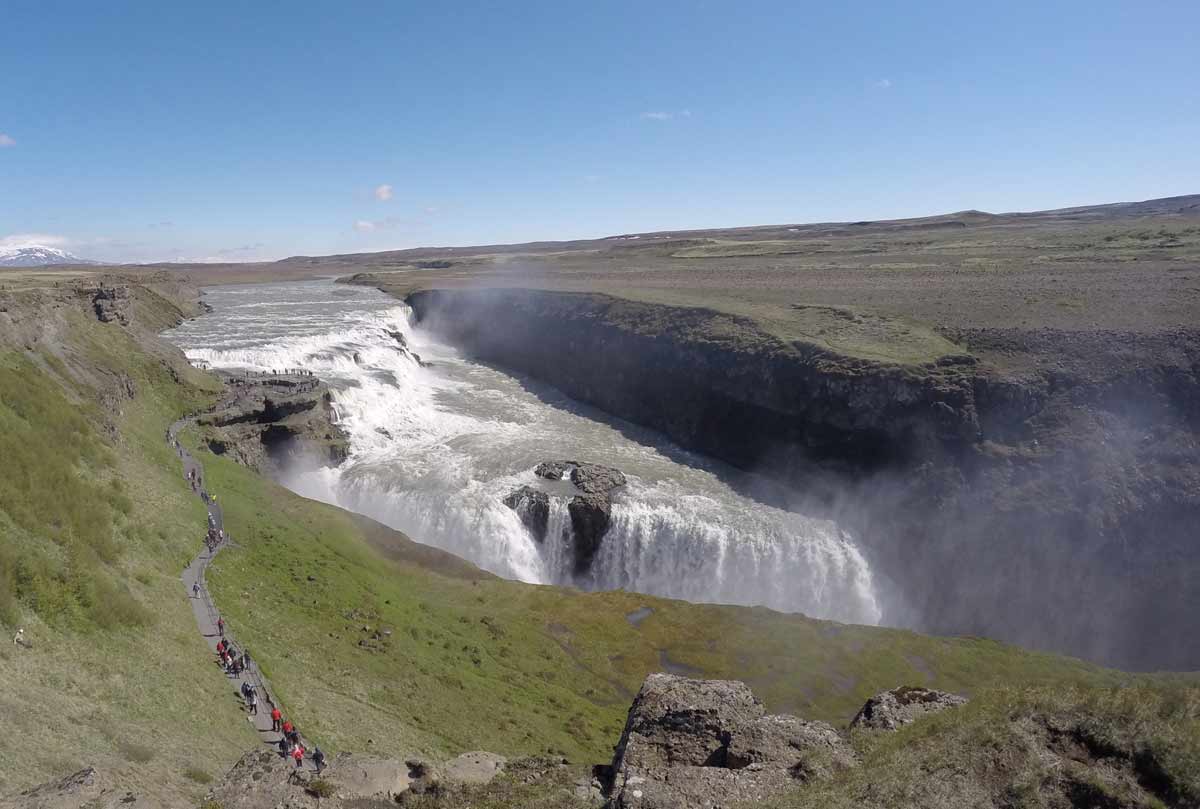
892 709
690 743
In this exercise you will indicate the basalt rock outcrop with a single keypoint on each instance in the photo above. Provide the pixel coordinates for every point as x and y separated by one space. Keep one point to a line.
266 421
1032 452
111 304
890 710
590 509
533 507
691 743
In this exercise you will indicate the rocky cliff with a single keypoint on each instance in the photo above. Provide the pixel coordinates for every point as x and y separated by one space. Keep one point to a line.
267 421
975 485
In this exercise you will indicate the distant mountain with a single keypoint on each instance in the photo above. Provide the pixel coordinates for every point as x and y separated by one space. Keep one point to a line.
37 255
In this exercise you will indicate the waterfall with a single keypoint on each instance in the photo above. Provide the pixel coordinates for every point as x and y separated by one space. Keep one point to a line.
435 450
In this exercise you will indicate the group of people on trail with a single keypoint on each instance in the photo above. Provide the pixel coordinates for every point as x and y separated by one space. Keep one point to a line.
237 662
250 694
215 535
291 745
233 662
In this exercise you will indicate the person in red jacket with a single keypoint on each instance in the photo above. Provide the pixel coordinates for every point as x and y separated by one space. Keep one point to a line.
221 626
287 728
220 648
298 754
276 719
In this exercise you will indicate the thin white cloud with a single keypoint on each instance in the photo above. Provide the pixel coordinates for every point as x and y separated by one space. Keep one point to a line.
392 223
6 140
28 239
665 115
383 192
245 248
884 84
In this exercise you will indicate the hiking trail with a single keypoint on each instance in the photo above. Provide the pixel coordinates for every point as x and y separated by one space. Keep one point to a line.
206 613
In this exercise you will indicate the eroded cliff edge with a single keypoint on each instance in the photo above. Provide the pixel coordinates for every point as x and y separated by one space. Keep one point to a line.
1048 499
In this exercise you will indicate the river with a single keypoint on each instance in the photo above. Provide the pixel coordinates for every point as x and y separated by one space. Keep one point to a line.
435 449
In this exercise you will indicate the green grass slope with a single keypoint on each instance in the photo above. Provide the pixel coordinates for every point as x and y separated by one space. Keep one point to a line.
377 643
1030 749
95 526
374 643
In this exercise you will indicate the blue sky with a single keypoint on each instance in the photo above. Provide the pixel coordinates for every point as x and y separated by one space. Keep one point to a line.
148 131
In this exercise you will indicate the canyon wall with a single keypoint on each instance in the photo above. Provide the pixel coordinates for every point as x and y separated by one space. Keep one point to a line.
1052 506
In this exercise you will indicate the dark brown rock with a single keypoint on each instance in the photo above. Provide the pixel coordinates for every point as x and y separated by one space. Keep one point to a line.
111 304
533 507
591 511
593 478
553 470
591 515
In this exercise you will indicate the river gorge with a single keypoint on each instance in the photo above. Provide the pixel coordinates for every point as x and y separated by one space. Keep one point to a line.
437 441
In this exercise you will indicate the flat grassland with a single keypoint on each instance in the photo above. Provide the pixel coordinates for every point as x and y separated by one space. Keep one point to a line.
905 291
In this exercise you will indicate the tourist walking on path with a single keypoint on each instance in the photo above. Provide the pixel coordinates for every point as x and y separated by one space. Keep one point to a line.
318 758
236 663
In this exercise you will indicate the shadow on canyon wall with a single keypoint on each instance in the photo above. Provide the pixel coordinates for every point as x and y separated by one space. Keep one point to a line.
1054 507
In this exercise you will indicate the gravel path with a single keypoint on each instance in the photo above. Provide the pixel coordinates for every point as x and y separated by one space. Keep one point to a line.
206 613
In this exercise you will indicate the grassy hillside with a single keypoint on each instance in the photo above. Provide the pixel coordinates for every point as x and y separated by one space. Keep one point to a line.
1035 748
411 652
95 526
374 643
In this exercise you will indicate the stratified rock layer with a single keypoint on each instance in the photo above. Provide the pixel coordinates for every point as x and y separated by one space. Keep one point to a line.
690 743
266 421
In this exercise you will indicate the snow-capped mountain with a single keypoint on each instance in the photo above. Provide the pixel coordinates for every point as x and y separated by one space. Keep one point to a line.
37 255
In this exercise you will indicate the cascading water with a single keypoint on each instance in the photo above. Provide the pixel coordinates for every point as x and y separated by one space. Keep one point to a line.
434 451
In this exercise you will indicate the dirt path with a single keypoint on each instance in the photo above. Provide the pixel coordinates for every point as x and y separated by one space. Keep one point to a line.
206 613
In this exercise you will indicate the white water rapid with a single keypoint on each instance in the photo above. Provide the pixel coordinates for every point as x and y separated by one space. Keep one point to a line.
435 449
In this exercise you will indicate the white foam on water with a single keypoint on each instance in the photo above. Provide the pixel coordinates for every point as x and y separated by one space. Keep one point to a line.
433 452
